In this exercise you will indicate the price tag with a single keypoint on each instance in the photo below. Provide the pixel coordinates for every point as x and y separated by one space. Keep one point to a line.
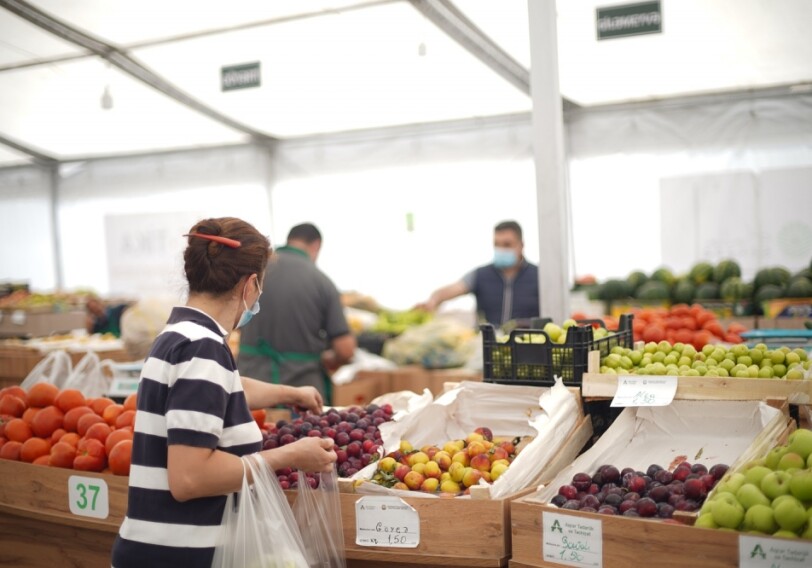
386 521
88 497
18 317
645 390
571 540
765 552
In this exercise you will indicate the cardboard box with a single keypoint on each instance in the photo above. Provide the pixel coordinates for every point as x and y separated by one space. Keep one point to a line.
366 386
457 531
439 378
726 432
28 323
411 377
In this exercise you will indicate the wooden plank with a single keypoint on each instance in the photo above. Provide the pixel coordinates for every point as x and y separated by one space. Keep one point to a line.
711 388
627 542
33 543
39 492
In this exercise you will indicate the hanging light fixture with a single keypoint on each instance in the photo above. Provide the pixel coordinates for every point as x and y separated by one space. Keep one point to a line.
106 98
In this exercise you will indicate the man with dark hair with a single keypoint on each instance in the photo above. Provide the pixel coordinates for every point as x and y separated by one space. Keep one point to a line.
300 329
507 289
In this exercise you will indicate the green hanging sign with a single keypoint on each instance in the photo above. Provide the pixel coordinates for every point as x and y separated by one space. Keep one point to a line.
629 20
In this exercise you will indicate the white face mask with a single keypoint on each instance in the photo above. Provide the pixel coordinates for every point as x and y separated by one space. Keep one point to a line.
248 313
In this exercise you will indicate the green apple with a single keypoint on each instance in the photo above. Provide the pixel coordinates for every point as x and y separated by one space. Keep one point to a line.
706 521
775 484
731 483
779 370
727 365
612 360
740 350
780 499
651 347
760 518
795 375
750 495
658 357
793 357
774 456
626 362
757 356
752 371
800 484
765 373
807 534
801 353
744 360
722 372
755 473
790 515
785 534
568 323
728 515
809 461
791 460
636 357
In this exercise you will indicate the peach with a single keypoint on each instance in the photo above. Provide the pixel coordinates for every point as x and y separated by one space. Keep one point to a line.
445 476
474 437
419 468
387 465
400 485
401 471
405 447
461 457
413 480
430 485
418 457
449 486
475 448
481 462
443 459
497 470
432 469
471 476
453 446
456 471
499 454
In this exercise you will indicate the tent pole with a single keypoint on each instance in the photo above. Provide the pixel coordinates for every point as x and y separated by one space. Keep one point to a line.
54 178
548 152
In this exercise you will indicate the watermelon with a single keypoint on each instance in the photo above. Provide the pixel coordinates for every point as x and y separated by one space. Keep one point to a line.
663 275
701 272
734 289
781 275
614 289
707 291
799 287
767 276
726 269
805 272
683 292
636 279
769 292
653 290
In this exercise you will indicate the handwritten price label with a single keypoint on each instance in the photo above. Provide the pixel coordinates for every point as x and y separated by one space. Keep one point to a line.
645 391
570 540
88 497
386 521
763 552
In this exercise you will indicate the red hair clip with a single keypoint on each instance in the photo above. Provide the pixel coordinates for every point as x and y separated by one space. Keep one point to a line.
217 239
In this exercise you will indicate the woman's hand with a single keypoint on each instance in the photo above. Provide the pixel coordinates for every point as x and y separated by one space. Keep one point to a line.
308 454
308 398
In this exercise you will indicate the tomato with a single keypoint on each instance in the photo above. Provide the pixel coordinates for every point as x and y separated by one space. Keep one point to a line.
90 455
120 457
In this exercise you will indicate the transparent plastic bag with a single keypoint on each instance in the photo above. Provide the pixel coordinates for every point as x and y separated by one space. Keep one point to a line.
87 376
55 369
318 514
258 528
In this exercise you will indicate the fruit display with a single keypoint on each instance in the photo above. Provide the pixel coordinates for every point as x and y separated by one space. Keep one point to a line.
62 428
448 470
354 431
705 282
683 324
396 322
680 359
657 492
771 495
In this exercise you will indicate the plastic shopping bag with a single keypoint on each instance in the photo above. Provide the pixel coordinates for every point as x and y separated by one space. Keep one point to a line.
55 369
258 528
318 514
89 377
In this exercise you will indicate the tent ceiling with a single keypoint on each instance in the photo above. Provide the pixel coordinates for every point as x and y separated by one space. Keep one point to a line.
338 65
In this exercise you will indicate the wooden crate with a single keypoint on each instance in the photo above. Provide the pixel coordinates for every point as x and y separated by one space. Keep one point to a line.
438 378
16 361
471 531
366 386
411 377
625 541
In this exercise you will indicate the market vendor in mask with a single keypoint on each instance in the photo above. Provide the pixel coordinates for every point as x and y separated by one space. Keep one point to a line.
301 330
505 290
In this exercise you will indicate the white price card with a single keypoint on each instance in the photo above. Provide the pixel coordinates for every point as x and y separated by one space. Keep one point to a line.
571 540
18 317
386 521
766 552
645 390
88 497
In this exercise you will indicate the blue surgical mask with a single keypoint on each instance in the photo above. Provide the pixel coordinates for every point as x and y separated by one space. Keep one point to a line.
504 257
248 313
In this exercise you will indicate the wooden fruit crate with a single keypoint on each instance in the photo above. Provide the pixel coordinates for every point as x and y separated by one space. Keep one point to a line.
366 386
631 542
465 531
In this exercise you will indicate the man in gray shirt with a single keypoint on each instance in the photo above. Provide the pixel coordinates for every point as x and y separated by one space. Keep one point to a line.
300 329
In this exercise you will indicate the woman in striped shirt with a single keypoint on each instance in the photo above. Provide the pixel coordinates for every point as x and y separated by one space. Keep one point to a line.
193 421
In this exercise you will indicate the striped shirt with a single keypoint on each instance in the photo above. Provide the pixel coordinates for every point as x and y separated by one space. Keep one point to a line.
190 394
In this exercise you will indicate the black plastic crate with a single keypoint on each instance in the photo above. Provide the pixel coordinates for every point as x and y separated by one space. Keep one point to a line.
530 357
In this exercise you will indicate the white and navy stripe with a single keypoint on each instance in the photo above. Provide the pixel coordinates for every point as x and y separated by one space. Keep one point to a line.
189 394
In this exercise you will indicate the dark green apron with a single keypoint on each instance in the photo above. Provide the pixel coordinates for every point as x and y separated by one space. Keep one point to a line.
263 349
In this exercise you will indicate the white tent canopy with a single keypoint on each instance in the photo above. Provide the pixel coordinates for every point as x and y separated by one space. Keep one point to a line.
415 107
